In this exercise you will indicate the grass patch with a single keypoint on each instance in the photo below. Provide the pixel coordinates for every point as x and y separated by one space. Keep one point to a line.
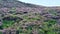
0 32
7 23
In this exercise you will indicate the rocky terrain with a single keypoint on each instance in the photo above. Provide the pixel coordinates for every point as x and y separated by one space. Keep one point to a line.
17 17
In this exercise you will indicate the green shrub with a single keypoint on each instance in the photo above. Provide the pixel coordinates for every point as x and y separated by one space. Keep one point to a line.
49 26
7 23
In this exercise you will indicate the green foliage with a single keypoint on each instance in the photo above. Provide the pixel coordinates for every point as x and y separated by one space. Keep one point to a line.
7 23
48 27
12 10
53 12
0 32
31 18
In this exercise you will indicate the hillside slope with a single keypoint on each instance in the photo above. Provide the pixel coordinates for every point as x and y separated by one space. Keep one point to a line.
28 18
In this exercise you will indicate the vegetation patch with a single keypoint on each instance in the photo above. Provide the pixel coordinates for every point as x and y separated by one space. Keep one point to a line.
8 23
0 32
